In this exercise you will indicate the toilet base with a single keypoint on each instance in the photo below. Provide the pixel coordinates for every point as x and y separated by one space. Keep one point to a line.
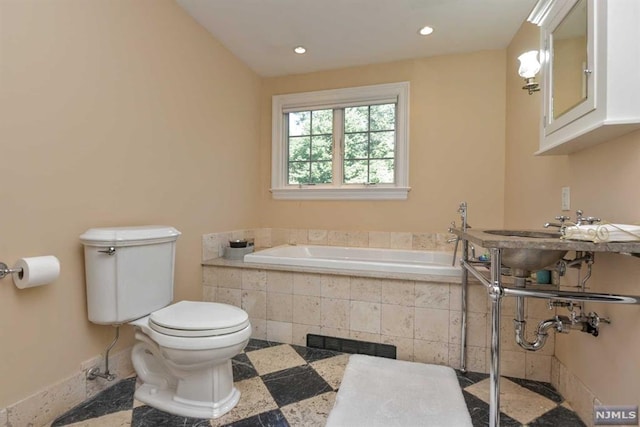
165 400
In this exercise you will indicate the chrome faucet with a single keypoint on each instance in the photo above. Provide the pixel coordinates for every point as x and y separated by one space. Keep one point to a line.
585 219
462 210
561 218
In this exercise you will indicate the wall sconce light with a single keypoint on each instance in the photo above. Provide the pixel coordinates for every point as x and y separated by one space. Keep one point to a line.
529 67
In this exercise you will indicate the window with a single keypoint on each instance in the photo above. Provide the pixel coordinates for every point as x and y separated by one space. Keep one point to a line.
341 144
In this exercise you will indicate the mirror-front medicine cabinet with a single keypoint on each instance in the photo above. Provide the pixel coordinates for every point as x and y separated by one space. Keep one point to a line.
590 54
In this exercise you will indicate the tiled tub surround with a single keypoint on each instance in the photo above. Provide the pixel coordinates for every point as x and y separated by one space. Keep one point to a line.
213 244
420 317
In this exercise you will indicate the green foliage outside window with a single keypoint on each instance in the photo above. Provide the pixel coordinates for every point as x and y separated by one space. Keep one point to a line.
369 148
369 145
310 147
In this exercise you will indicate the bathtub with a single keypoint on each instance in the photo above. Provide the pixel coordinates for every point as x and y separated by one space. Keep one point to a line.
362 259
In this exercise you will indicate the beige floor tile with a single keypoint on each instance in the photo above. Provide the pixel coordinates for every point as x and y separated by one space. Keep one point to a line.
310 412
332 369
116 419
254 399
275 359
519 403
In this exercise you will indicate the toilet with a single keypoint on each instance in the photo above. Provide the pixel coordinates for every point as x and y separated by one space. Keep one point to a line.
182 352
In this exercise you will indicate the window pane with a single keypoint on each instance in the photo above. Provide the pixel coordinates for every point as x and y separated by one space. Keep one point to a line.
369 145
341 140
299 173
321 173
299 148
381 171
355 172
356 119
299 123
321 148
355 146
382 144
383 117
322 122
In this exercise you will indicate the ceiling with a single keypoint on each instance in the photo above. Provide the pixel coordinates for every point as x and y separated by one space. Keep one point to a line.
344 33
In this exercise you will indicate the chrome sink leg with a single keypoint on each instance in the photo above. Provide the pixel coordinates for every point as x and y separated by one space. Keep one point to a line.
463 309
495 293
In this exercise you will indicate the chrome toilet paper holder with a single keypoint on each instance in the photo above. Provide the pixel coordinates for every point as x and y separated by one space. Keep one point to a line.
5 270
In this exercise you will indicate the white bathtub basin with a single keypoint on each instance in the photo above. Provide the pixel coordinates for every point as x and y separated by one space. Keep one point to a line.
363 259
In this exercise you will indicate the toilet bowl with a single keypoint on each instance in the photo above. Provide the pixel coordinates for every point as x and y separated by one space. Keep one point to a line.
183 351
182 357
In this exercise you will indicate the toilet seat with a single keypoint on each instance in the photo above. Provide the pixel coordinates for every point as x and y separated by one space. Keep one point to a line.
198 319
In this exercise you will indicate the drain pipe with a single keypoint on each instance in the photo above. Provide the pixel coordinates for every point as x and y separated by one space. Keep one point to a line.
520 324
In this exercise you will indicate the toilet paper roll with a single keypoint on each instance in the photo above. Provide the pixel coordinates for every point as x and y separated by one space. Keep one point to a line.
36 271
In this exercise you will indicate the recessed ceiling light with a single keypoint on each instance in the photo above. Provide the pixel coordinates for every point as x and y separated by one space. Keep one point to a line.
299 50
425 31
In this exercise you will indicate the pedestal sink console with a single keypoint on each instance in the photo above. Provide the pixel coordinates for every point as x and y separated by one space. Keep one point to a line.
525 251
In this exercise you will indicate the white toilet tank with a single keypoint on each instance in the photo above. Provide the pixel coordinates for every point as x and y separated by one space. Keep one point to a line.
129 271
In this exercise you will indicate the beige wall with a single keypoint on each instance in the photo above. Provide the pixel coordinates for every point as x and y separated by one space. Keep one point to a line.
457 116
111 113
604 183
122 112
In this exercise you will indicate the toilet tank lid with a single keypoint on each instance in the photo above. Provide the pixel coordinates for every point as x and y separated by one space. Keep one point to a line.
129 236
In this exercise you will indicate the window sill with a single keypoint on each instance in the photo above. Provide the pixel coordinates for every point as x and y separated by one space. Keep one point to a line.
358 193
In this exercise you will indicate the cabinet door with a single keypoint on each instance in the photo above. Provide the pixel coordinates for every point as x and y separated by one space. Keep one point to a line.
570 71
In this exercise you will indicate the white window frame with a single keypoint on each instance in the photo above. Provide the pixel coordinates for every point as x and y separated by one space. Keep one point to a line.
335 98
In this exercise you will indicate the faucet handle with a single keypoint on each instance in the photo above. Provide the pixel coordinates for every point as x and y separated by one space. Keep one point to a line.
562 218
582 219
